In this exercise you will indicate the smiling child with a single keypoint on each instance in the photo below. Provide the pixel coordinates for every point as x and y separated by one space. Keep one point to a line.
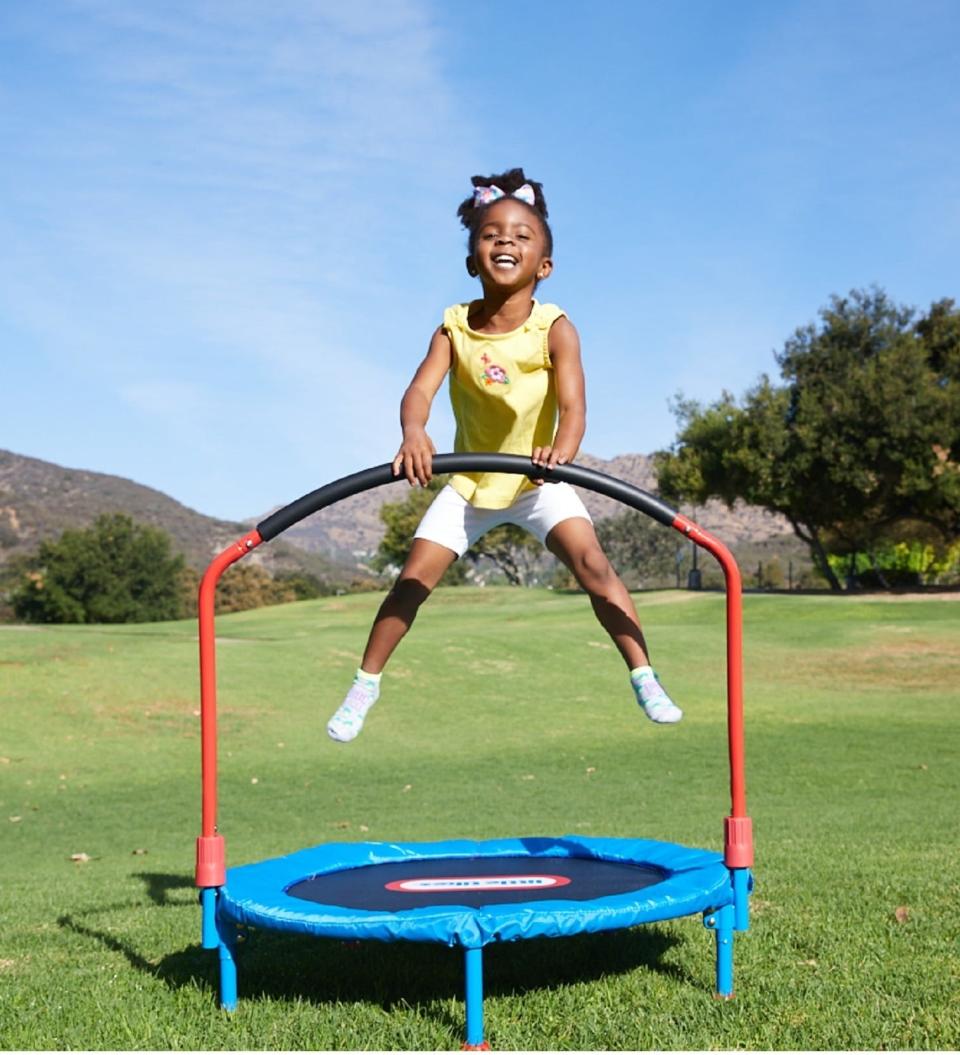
517 387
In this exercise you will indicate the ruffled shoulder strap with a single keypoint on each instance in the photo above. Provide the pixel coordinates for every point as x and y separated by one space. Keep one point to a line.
544 316
455 318
541 319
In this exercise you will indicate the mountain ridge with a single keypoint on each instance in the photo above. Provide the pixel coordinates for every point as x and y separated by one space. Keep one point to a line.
39 500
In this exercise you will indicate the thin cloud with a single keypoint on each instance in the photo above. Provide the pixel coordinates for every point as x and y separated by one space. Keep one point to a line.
208 207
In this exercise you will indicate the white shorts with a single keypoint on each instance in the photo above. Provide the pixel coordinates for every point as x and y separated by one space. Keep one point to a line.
452 522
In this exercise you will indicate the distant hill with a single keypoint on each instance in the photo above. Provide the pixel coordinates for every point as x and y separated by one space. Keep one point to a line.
39 500
351 530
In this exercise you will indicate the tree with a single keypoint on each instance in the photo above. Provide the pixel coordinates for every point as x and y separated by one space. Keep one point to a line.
245 586
114 572
859 441
303 585
939 503
514 551
640 549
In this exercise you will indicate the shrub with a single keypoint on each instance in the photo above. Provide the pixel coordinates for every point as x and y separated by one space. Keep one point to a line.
114 572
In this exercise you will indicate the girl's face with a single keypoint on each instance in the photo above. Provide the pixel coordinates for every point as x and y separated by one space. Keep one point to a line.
510 250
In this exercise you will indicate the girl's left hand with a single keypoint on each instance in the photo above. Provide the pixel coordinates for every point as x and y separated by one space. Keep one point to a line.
548 458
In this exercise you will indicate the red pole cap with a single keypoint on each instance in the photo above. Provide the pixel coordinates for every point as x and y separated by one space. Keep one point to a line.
738 842
211 861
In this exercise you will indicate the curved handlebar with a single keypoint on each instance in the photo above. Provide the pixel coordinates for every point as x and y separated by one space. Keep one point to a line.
296 511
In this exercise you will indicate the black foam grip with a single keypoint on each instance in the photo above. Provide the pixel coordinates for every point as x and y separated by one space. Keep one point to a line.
379 475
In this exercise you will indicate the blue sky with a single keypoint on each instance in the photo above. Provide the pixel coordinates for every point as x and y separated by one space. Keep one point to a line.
228 227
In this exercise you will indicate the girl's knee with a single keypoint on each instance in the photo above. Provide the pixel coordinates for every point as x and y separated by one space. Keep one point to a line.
410 592
594 570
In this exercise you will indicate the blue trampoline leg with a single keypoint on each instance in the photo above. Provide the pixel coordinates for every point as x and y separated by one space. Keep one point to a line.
208 904
721 922
228 964
741 898
473 968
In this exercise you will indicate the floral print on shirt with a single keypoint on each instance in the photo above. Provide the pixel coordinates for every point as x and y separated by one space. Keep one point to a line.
493 374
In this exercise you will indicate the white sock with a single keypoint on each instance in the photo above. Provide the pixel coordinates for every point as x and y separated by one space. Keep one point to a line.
346 724
652 697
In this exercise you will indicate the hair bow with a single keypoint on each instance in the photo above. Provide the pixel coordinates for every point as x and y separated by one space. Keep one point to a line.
488 195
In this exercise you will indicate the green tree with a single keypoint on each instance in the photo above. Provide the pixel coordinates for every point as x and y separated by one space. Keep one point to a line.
114 572
939 502
642 551
859 441
514 551
303 585
246 585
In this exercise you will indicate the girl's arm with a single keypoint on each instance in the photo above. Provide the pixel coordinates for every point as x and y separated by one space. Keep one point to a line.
571 396
417 449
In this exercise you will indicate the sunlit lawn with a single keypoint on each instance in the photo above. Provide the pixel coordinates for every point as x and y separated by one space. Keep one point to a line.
505 713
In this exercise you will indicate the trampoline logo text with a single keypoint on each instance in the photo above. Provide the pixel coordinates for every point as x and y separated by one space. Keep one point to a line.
440 884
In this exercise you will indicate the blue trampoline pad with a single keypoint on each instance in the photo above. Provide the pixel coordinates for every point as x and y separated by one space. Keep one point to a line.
465 893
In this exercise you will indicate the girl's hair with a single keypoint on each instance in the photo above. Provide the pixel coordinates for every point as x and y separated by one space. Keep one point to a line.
471 215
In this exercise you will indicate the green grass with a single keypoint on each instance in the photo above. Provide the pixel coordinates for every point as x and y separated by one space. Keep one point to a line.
505 713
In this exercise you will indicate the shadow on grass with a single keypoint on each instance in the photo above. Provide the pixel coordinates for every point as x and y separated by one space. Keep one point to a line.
400 974
322 970
160 885
108 940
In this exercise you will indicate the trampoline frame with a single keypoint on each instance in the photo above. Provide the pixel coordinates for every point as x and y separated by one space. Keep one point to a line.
219 931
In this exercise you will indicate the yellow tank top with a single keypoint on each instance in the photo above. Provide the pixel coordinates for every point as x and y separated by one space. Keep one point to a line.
504 398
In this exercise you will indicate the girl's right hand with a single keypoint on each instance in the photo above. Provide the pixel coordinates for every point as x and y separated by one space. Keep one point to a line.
415 457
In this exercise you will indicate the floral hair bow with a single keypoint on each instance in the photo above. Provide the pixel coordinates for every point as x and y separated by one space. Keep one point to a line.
488 195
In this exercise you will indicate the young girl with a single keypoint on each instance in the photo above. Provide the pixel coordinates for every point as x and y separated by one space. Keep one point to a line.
517 387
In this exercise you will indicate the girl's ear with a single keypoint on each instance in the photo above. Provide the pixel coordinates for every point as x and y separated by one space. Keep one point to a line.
471 267
545 269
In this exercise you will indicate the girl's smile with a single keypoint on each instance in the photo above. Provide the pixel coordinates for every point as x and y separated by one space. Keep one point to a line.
510 247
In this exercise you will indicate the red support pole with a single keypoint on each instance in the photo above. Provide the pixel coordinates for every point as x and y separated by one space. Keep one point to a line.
738 827
211 859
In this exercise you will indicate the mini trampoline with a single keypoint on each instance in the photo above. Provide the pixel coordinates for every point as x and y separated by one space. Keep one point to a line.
458 892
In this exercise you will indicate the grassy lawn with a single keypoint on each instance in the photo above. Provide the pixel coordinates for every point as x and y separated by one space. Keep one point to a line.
506 713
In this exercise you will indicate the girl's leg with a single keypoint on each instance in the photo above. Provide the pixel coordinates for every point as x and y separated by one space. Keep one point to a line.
574 541
422 571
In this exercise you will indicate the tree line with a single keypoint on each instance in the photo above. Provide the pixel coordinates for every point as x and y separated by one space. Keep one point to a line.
856 447
119 571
